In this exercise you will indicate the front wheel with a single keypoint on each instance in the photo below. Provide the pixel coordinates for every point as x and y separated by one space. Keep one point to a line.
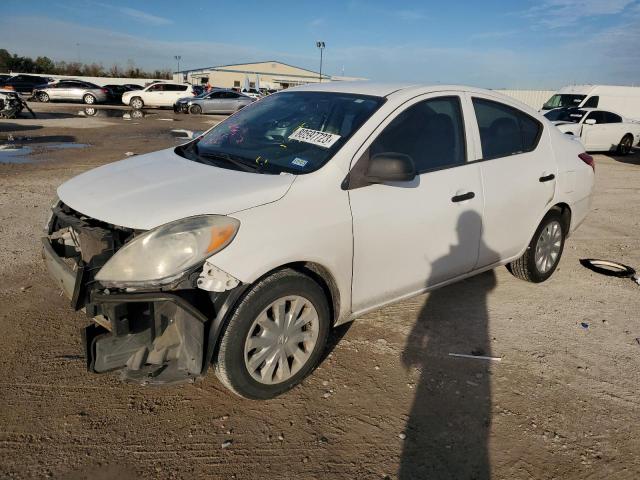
543 254
195 109
275 336
624 147
43 97
89 99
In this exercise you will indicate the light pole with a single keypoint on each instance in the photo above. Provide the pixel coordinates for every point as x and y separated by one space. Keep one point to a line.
320 45
178 58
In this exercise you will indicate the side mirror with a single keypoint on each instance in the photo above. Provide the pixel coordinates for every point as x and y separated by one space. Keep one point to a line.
590 121
390 167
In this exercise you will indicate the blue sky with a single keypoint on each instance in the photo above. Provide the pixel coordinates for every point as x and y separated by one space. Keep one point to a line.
489 43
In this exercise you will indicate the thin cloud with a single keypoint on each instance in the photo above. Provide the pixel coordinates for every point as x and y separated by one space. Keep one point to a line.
565 13
410 15
55 38
137 15
494 35
144 17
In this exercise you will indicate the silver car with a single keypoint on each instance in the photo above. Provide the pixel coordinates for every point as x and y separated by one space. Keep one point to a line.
72 90
217 100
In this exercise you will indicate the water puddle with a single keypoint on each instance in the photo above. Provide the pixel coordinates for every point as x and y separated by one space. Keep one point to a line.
15 154
113 113
20 153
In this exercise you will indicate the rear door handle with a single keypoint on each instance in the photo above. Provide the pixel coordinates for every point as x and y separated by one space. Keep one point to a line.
463 197
547 178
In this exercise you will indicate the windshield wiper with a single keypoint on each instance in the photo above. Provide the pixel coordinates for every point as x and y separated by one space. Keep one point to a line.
247 167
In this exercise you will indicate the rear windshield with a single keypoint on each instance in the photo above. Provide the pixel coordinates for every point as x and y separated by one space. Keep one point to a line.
295 132
564 100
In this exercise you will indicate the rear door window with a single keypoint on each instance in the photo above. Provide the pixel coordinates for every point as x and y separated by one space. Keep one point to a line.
176 88
504 130
612 118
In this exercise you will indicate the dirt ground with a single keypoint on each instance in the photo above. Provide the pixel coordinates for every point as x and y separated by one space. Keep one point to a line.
387 402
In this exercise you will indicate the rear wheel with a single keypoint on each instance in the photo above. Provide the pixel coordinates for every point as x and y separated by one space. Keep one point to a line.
137 103
43 97
89 99
625 145
543 254
275 336
195 109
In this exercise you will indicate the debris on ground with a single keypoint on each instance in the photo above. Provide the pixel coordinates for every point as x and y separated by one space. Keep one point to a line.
610 269
584 325
477 357
227 443
129 154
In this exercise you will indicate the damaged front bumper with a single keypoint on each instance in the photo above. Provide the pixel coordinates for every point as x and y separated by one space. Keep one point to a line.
159 337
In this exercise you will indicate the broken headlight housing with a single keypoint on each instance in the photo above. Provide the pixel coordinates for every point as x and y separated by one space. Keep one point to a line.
162 255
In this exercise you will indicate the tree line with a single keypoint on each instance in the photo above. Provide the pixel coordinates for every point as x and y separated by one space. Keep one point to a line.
16 63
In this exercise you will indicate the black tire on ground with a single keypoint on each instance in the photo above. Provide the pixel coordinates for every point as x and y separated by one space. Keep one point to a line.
229 360
43 97
625 145
525 267
136 102
195 109
89 99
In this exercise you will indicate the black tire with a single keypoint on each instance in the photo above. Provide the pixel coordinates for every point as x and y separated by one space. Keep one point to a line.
43 97
89 99
625 145
195 109
229 360
525 267
136 102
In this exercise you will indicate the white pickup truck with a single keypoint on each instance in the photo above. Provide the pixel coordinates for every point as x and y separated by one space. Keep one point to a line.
599 130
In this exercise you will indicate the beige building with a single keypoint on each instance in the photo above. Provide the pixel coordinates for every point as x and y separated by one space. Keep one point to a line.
271 75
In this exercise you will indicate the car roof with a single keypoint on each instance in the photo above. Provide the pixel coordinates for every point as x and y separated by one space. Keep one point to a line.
379 89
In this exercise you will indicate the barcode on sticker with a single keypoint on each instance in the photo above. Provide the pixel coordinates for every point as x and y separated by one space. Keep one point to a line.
315 137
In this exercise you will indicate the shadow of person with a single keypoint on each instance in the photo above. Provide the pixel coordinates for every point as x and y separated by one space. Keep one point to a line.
447 429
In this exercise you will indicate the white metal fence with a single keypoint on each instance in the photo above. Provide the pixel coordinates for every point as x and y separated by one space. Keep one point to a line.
533 98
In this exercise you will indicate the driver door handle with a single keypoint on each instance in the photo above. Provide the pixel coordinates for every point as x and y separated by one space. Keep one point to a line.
547 178
463 197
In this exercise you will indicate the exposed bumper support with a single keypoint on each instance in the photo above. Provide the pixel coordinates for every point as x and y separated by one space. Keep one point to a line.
161 337
156 338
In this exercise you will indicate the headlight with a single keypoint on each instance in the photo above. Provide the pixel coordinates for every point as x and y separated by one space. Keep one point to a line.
161 255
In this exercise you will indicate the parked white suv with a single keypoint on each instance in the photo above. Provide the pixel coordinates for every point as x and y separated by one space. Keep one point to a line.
161 94
303 211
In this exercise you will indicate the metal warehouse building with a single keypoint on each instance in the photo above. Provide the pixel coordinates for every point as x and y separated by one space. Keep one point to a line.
271 75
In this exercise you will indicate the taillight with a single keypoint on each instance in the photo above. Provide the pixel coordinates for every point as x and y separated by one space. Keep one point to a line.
588 159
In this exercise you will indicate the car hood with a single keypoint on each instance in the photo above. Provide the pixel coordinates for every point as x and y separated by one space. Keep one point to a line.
149 190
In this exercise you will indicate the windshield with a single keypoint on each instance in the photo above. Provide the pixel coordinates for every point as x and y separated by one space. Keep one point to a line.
563 100
572 115
295 132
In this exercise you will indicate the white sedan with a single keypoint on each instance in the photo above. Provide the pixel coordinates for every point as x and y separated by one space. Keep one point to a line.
242 248
599 130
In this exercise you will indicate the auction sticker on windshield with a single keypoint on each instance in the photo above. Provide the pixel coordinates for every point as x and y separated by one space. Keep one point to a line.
315 137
